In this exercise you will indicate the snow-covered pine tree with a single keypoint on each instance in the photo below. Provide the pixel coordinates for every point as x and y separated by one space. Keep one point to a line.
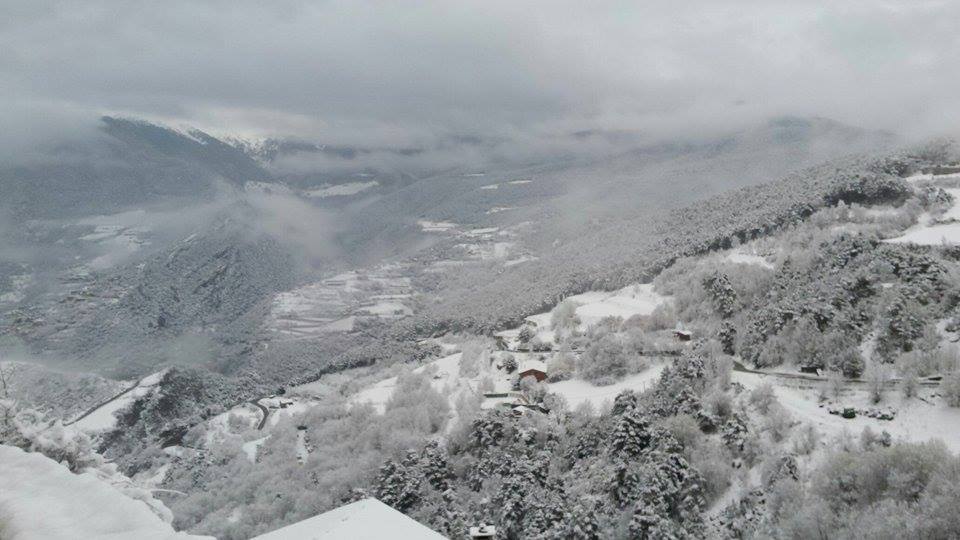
433 464
722 294
398 486
631 435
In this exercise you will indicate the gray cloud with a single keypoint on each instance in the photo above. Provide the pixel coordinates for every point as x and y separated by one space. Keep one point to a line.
381 74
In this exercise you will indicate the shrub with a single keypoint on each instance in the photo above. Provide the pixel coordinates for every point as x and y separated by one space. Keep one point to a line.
564 317
909 384
763 397
851 364
526 334
719 404
561 366
664 317
832 387
473 358
604 361
806 439
869 439
950 389
538 345
713 462
877 376
778 423
898 472
717 366
684 429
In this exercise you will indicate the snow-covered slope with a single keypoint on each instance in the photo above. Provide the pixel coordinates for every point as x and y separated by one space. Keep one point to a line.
103 418
945 230
40 499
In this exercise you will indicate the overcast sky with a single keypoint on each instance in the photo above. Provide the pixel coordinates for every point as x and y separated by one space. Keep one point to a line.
400 73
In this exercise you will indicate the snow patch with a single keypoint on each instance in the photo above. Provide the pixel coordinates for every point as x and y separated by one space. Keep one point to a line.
340 190
250 448
930 176
739 256
436 226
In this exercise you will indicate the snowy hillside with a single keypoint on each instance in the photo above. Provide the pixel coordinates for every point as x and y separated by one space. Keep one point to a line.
732 348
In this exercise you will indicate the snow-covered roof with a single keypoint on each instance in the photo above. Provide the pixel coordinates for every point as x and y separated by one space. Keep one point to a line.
483 531
367 519
533 364
43 499
493 403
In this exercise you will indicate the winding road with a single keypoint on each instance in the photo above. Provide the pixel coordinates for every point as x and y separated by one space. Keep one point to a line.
264 410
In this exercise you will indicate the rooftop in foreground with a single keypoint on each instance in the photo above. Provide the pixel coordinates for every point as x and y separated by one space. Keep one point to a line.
367 519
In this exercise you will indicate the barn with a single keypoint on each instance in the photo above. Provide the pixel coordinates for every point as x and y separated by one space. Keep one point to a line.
533 368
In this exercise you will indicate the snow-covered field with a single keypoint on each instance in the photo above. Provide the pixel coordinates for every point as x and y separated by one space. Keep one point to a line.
41 499
333 304
916 420
632 300
577 392
592 307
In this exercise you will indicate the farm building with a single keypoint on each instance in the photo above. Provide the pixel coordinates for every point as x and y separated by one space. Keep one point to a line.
534 368
683 335
483 532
